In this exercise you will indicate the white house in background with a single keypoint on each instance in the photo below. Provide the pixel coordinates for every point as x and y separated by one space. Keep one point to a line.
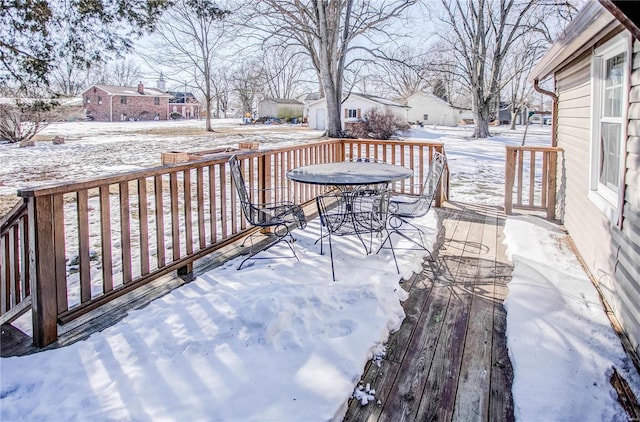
431 110
352 109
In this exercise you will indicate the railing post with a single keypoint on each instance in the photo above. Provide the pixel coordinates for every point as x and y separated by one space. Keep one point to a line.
42 263
551 188
509 176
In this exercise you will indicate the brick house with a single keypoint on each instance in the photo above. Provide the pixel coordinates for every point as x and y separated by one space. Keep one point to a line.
185 104
107 103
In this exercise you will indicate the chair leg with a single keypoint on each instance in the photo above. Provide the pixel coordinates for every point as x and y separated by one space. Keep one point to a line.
333 271
393 252
279 238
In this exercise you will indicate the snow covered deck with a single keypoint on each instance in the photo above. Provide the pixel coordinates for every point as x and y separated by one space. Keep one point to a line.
449 360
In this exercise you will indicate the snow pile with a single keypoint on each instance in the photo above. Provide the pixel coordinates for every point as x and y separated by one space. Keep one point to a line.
277 340
562 346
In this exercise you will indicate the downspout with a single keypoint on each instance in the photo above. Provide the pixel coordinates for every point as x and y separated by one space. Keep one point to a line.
554 110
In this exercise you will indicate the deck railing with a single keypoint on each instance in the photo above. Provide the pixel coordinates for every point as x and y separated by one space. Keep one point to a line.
531 176
92 241
14 268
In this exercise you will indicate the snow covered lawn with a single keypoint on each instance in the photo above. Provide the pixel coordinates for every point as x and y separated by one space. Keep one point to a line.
279 341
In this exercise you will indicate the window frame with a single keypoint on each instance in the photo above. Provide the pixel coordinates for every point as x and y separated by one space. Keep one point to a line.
355 113
602 196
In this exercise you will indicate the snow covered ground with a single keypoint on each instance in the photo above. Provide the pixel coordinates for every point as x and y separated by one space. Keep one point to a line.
279 341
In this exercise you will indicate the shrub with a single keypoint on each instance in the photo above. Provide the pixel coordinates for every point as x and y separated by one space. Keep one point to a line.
22 120
175 116
378 124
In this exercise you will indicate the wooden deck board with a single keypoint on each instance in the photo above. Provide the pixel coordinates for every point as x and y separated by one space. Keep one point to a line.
449 359
456 365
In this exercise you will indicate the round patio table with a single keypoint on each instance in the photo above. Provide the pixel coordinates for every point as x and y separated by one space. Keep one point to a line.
349 173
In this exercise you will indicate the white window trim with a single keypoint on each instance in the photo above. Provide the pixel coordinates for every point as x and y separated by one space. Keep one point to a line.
606 200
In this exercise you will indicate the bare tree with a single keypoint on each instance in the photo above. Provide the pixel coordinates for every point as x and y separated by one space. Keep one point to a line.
68 78
327 31
248 82
482 33
401 72
282 70
189 36
126 73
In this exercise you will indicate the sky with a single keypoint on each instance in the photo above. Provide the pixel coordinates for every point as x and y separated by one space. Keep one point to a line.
279 341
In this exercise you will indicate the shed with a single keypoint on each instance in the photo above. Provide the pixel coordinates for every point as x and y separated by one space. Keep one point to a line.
280 108
596 68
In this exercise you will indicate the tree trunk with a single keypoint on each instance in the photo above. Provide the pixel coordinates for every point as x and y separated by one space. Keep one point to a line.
481 117
513 120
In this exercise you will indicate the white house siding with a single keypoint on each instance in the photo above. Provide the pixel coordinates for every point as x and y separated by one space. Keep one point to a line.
354 102
626 243
437 110
587 225
611 255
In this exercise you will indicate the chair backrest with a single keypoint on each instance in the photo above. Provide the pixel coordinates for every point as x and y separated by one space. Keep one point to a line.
436 168
422 205
241 188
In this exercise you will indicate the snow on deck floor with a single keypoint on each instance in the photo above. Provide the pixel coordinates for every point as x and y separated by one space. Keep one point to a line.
561 343
277 341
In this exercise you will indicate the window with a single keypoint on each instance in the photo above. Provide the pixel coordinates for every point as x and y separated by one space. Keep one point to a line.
610 87
123 100
425 117
352 113
99 99
156 100
87 100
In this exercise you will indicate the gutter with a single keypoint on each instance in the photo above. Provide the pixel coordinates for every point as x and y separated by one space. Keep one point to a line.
554 112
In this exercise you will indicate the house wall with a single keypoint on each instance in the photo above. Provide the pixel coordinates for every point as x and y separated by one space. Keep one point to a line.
188 111
626 242
138 107
98 110
611 255
438 112
363 105
141 108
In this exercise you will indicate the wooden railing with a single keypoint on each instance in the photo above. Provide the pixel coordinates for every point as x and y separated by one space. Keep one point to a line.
92 241
531 176
14 268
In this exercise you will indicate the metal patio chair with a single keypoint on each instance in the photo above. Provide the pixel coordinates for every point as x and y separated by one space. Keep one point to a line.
359 213
276 215
404 208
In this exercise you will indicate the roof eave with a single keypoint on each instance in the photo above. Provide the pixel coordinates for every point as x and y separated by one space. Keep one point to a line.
591 25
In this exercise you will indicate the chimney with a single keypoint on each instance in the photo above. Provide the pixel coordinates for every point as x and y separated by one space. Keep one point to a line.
140 89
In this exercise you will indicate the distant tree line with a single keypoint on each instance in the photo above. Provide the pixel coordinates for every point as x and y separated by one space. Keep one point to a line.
476 54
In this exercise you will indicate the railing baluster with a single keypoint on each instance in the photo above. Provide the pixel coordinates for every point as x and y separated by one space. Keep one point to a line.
532 177
12 265
545 181
158 191
105 230
213 204
60 252
175 218
202 237
223 198
143 222
188 218
125 232
4 274
83 245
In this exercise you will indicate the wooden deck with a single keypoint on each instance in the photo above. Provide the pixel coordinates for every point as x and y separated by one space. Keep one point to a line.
449 360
